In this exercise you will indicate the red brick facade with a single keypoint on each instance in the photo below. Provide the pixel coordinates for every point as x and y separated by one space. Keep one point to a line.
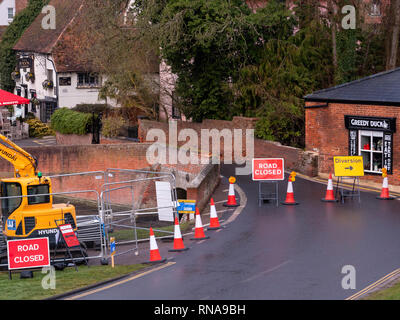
326 134
20 5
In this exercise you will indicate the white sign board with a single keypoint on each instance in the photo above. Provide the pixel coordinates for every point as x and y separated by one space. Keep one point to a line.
164 201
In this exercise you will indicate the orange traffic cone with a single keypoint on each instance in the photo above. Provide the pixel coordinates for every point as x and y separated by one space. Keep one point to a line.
329 196
231 195
214 222
290 195
385 191
155 256
198 231
178 241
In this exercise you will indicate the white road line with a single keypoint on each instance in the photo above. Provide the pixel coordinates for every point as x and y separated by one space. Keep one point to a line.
243 201
120 282
266 271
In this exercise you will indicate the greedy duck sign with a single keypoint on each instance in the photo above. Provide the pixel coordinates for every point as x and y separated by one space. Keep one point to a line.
370 123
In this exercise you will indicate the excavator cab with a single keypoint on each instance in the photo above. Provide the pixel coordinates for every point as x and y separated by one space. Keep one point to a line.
25 215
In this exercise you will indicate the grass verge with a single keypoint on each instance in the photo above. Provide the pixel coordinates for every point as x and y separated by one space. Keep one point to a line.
128 234
66 280
391 293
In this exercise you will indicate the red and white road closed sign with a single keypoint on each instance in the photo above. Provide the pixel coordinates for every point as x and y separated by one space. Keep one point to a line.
268 169
69 235
28 253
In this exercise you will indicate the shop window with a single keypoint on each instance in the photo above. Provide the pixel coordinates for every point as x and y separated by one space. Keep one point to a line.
371 149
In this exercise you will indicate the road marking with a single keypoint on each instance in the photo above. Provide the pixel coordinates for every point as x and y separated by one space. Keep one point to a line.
266 271
374 285
120 282
243 200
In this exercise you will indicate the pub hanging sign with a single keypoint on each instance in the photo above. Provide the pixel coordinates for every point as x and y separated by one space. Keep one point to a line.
25 62
370 123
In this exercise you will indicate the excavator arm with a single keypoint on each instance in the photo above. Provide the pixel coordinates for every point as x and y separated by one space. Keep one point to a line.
25 164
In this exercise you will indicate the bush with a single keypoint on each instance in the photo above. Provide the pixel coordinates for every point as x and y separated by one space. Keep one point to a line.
112 126
39 129
67 121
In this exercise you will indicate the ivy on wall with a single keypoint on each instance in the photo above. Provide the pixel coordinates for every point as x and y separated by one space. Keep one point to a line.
14 31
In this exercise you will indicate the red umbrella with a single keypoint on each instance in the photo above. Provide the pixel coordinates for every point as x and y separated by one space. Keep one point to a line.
7 99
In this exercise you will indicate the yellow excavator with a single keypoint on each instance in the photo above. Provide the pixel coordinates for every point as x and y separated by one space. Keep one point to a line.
23 214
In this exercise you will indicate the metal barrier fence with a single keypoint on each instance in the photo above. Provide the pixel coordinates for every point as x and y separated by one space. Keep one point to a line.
113 205
126 218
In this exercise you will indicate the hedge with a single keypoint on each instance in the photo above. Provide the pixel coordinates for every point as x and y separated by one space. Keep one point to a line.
92 107
67 121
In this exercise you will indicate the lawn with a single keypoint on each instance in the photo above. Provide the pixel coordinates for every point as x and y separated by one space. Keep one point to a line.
128 234
66 280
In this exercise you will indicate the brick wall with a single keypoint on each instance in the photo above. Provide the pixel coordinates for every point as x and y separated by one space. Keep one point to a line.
326 134
20 5
60 159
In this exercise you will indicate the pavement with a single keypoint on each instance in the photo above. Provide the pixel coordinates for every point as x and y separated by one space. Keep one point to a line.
268 252
36 142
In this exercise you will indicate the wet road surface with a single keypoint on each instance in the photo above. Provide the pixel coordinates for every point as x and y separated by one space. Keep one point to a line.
289 252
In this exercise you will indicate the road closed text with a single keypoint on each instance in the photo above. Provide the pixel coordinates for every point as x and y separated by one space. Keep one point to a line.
268 169
29 253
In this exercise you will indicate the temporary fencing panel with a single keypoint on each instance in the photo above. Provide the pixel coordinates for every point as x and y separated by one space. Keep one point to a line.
111 202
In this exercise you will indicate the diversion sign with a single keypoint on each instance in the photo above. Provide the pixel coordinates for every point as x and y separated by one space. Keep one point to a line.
348 166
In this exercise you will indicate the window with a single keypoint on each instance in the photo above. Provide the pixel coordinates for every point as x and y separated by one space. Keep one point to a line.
371 149
10 13
88 80
49 74
39 189
64 81
8 206
33 96
375 9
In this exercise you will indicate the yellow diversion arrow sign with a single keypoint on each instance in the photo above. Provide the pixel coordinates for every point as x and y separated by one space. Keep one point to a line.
348 166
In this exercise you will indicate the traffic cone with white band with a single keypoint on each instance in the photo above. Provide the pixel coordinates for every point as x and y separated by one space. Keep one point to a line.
231 195
178 241
329 196
154 252
198 231
290 194
214 222
385 187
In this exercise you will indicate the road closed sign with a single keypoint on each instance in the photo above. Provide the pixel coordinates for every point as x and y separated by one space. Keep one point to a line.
348 166
268 169
28 253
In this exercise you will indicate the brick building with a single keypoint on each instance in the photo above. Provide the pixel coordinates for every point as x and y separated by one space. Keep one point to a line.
357 118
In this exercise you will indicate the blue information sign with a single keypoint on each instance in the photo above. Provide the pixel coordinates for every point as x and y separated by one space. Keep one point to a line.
186 206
